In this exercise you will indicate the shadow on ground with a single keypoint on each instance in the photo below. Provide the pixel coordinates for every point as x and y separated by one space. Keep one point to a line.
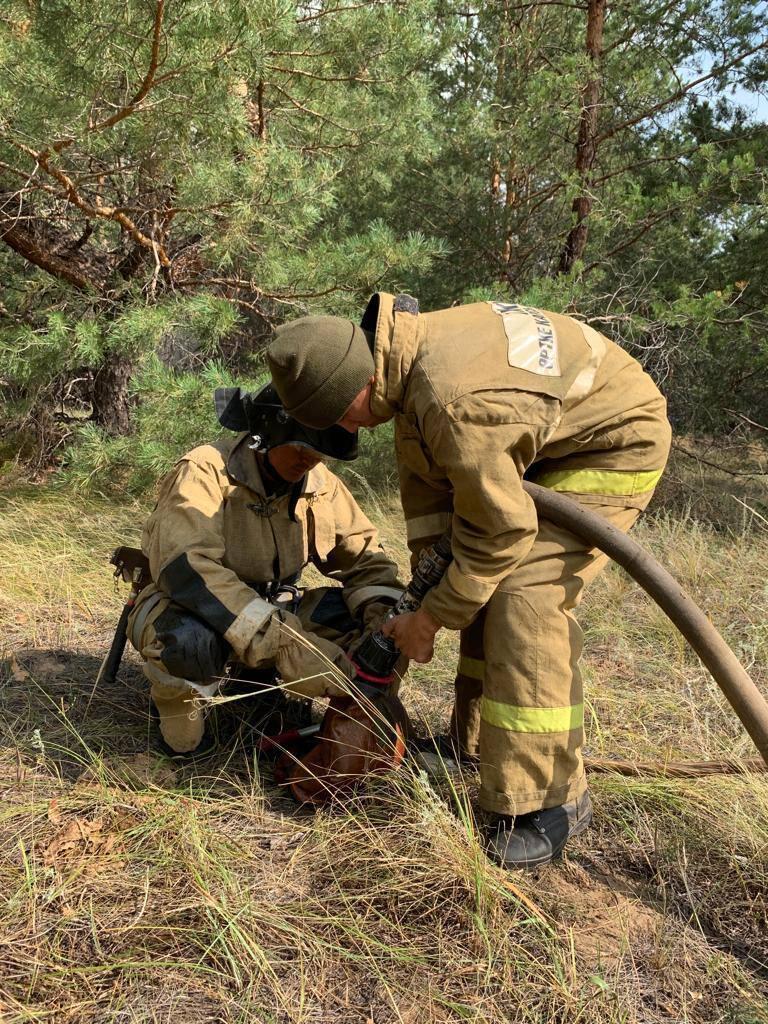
52 710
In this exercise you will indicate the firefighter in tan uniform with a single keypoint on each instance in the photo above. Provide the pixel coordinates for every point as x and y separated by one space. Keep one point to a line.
234 525
483 395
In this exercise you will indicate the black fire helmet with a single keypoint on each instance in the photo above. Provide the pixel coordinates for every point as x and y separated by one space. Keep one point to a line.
261 414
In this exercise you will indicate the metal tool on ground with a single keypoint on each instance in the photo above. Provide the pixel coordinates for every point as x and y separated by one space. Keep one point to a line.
132 566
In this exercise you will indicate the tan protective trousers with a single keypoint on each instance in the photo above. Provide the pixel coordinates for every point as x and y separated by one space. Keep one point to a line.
519 701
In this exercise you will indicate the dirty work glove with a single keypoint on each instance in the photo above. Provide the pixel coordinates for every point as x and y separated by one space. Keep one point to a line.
311 666
357 738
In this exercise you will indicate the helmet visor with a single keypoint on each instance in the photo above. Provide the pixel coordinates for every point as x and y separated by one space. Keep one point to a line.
261 413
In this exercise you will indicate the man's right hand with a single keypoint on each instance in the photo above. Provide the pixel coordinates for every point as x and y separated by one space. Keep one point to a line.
414 634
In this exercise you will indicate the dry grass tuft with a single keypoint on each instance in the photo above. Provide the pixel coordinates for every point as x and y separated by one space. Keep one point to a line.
135 891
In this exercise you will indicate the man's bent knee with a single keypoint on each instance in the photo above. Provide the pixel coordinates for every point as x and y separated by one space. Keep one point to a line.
190 648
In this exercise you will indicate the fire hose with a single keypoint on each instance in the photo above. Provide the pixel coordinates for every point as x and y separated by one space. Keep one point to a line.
715 654
375 658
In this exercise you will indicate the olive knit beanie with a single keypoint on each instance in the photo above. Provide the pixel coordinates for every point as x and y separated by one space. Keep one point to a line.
319 364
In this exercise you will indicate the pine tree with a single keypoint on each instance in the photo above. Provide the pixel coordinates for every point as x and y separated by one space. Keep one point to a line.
177 177
571 170
169 174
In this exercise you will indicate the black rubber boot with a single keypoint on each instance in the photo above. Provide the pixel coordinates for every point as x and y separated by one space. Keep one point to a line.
536 838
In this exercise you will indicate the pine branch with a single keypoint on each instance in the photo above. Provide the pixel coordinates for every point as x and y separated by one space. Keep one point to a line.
149 78
148 82
313 113
679 93
93 209
24 243
643 229
328 78
340 10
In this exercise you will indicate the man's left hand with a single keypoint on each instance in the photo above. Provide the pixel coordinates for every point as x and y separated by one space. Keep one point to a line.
414 634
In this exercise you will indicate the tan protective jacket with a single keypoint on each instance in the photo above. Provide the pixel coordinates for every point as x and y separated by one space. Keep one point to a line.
213 532
481 394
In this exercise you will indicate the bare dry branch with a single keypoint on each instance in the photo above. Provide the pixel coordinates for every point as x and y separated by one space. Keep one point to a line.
19 173
746 419
715 465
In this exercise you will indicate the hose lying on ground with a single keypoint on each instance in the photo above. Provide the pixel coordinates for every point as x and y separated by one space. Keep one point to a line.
673 769
726 669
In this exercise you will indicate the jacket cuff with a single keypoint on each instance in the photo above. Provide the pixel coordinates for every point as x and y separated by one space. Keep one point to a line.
457 598
250 620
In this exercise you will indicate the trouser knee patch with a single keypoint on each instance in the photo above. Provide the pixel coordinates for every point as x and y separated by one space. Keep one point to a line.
191 648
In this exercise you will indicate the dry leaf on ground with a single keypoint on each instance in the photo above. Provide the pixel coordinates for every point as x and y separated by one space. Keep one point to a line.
82 841
54 814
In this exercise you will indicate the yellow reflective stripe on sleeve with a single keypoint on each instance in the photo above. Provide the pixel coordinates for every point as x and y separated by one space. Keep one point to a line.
473 668
427 526
601 481
537 720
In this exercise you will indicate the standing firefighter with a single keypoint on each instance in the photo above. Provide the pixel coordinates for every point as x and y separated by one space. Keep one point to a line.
235 524
483 395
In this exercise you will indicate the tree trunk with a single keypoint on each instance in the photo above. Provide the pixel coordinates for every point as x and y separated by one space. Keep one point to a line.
111 401
586 148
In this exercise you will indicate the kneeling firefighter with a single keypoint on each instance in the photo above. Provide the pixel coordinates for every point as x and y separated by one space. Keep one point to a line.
234 525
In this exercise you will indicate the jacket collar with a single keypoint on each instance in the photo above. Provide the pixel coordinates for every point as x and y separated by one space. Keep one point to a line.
394 351
243 468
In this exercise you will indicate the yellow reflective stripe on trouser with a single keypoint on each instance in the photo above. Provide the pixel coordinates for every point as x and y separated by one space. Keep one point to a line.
473 668
601 481
539 720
